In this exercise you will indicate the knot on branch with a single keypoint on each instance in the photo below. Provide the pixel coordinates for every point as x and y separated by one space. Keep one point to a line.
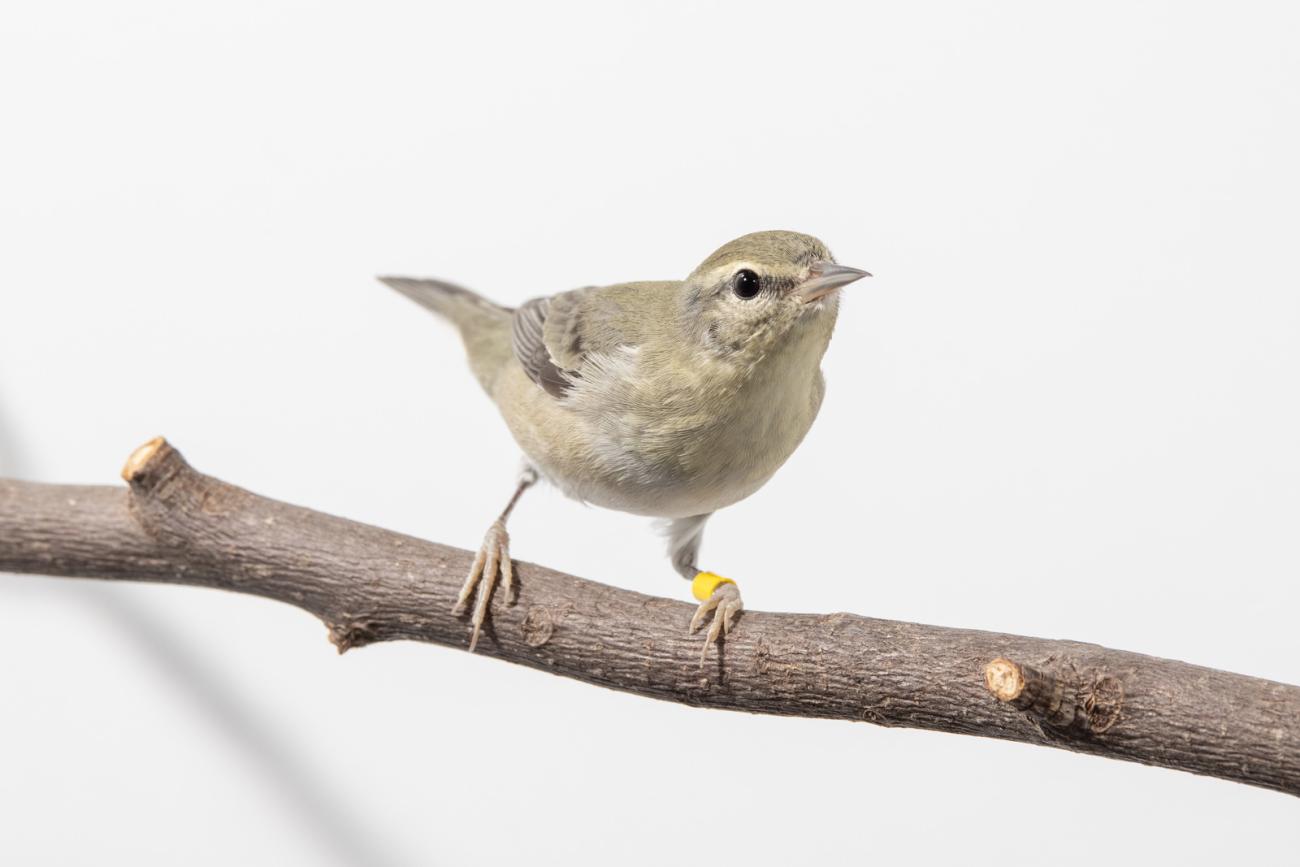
1058 694
353 633
538 626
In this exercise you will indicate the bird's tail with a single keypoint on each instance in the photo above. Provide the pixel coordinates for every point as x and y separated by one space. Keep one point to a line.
446 299
483 325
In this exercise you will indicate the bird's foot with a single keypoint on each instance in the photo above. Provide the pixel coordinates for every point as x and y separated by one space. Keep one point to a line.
492 557
720 596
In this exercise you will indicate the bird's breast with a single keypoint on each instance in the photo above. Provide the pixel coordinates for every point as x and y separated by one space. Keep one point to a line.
670 444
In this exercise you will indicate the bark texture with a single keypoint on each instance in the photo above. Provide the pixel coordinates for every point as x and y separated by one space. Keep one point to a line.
173 524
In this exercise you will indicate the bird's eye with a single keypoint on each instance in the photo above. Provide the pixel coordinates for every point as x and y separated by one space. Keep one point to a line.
745 284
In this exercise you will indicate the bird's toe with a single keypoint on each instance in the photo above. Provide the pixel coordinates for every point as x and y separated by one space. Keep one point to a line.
492 559
720 597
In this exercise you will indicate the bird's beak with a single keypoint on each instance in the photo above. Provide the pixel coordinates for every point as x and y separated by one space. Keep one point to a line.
824 278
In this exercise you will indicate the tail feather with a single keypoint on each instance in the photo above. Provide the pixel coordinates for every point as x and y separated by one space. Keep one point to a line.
443 298
484 326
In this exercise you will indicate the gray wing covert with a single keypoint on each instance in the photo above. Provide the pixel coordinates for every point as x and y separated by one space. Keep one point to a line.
547 341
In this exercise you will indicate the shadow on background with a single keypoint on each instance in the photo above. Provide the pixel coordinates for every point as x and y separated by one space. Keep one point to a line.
324 815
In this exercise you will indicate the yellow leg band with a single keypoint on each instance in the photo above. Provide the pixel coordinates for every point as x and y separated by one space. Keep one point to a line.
705 583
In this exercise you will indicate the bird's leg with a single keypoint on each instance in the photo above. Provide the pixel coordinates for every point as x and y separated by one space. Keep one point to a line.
493 556
716 594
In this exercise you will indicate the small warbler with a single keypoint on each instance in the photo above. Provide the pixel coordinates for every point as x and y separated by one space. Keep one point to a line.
670 399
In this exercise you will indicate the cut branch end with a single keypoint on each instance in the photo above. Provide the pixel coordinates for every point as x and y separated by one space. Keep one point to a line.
140 458
1004 679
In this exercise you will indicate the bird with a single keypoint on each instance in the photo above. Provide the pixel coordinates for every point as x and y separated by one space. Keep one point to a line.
669 399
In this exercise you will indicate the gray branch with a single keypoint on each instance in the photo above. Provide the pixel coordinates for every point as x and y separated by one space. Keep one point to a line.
173 524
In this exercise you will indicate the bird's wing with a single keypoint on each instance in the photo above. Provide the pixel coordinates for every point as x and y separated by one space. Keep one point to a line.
528 339
581 337
553 336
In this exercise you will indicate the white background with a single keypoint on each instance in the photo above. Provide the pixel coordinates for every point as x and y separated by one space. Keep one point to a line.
1065 406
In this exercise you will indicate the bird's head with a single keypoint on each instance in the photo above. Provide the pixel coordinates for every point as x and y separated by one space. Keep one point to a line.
757 292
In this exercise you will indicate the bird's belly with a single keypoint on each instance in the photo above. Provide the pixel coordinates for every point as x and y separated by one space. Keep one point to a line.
657 464
649 484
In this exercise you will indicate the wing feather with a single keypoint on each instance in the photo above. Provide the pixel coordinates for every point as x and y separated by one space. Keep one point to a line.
528 339
558 337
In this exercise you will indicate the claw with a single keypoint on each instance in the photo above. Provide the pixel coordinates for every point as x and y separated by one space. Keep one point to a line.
471 581
507 575
733 609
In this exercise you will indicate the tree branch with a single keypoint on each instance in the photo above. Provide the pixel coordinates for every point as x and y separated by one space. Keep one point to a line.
176 525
